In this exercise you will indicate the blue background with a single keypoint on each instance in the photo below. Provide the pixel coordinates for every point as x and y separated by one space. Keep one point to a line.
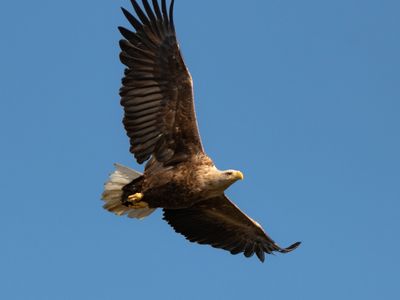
302 96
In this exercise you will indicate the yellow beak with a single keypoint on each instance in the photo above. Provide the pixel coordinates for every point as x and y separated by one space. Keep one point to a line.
239 175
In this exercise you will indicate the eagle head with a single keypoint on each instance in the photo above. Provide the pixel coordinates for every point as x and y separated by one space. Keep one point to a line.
214 182
233 175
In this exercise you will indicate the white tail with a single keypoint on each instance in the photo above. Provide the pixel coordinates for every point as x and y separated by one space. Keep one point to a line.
113 192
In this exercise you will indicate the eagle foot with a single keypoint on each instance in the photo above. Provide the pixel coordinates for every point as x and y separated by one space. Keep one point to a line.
135 197
135 201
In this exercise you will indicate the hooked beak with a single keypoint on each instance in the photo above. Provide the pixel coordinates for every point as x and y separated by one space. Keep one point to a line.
238 175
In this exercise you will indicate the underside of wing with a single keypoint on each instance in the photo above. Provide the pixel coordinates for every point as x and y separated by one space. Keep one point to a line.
156 90
221 224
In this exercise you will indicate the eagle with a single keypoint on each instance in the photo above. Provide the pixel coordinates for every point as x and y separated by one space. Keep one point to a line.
160 121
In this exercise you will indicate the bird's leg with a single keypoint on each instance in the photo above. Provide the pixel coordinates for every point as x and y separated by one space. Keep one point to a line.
135 197
135 201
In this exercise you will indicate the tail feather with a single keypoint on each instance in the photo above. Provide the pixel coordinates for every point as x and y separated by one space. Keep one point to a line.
113 192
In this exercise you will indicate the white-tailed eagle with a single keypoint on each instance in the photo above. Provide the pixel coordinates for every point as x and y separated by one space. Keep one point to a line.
160 120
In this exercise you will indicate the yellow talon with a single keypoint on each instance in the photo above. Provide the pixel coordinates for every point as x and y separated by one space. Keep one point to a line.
135 201
135 197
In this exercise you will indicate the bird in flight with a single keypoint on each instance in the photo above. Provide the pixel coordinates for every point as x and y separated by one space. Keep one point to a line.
160 121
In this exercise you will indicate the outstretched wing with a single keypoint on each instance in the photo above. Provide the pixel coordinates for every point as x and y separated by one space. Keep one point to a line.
221 224
157 91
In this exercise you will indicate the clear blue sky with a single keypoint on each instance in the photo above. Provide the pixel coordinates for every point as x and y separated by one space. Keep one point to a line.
302 96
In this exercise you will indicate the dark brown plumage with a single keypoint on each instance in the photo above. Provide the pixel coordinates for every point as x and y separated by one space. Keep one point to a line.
157 96
157 92
220 223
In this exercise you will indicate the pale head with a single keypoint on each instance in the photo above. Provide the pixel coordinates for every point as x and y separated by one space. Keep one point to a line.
215 182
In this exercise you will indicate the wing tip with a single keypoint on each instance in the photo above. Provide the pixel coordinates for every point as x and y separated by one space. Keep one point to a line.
171 14
261 254
290 248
